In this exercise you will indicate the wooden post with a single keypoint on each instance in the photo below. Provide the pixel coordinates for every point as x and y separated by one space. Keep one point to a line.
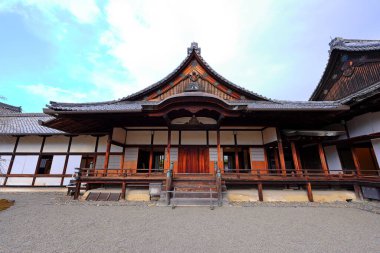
39 160
150 161
260 191
309 192
296 158
282 158
12 160
220 162
322 157
77 189
237 161
107 156
356 161
67 160
123 188
168 150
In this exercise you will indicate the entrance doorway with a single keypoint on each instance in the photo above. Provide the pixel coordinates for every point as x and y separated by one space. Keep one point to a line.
193 160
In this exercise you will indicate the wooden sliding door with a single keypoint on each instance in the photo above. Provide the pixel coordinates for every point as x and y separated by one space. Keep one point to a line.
193 160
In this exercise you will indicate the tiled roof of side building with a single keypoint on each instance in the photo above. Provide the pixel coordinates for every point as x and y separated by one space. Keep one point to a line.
349 45
6 108
25 124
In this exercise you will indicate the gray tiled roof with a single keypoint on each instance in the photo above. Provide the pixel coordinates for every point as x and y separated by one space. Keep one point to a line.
345 45
25 124
354 45
137 106
6 108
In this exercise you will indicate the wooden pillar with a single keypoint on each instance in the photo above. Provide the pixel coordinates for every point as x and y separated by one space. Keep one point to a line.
150 160
356 161
12 160
220 162
322 157
107 156
77 189
282 158
309 192
168 151
237 161
67 160
39 160
296 158
123 189
260 191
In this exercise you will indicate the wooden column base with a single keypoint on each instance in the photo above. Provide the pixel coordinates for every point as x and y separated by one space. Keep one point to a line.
77 190
123 186
309 192
260 191
358 192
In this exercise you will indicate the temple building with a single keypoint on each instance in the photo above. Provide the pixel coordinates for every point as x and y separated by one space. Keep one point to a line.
196 129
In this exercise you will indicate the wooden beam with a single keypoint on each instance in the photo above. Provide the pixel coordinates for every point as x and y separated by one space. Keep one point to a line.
260 191
309 192
322 157
296 158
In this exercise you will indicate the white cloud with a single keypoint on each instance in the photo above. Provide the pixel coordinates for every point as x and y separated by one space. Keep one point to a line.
150 38
49 93
85 11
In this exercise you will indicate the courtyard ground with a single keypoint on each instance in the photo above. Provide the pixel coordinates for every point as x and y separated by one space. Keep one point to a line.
51 222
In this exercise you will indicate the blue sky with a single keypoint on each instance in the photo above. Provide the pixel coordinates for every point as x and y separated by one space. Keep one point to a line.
87 50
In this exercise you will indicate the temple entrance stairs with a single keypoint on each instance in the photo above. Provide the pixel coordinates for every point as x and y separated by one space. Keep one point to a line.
196 191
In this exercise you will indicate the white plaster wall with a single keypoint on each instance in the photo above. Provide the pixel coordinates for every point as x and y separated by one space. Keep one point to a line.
102 144
174 139
365 124
160 138
29 144
131 154
376 149
332 158
212 138
72 163
193 138
100 162
269 135
24 164
227 138
2 179
249 138
213 153
257 154
58 164
7 144
115 148
118 134
83 143
20 181
56 144
139 137
66 180
4 163
114 162
47 181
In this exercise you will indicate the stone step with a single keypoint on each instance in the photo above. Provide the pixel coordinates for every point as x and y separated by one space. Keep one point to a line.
194 202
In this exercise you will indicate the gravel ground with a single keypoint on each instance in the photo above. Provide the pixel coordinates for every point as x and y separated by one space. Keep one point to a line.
50 222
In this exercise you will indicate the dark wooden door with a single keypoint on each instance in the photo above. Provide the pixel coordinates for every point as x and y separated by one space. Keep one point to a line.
193 160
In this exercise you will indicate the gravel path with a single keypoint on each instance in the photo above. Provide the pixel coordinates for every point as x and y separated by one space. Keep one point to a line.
48 222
